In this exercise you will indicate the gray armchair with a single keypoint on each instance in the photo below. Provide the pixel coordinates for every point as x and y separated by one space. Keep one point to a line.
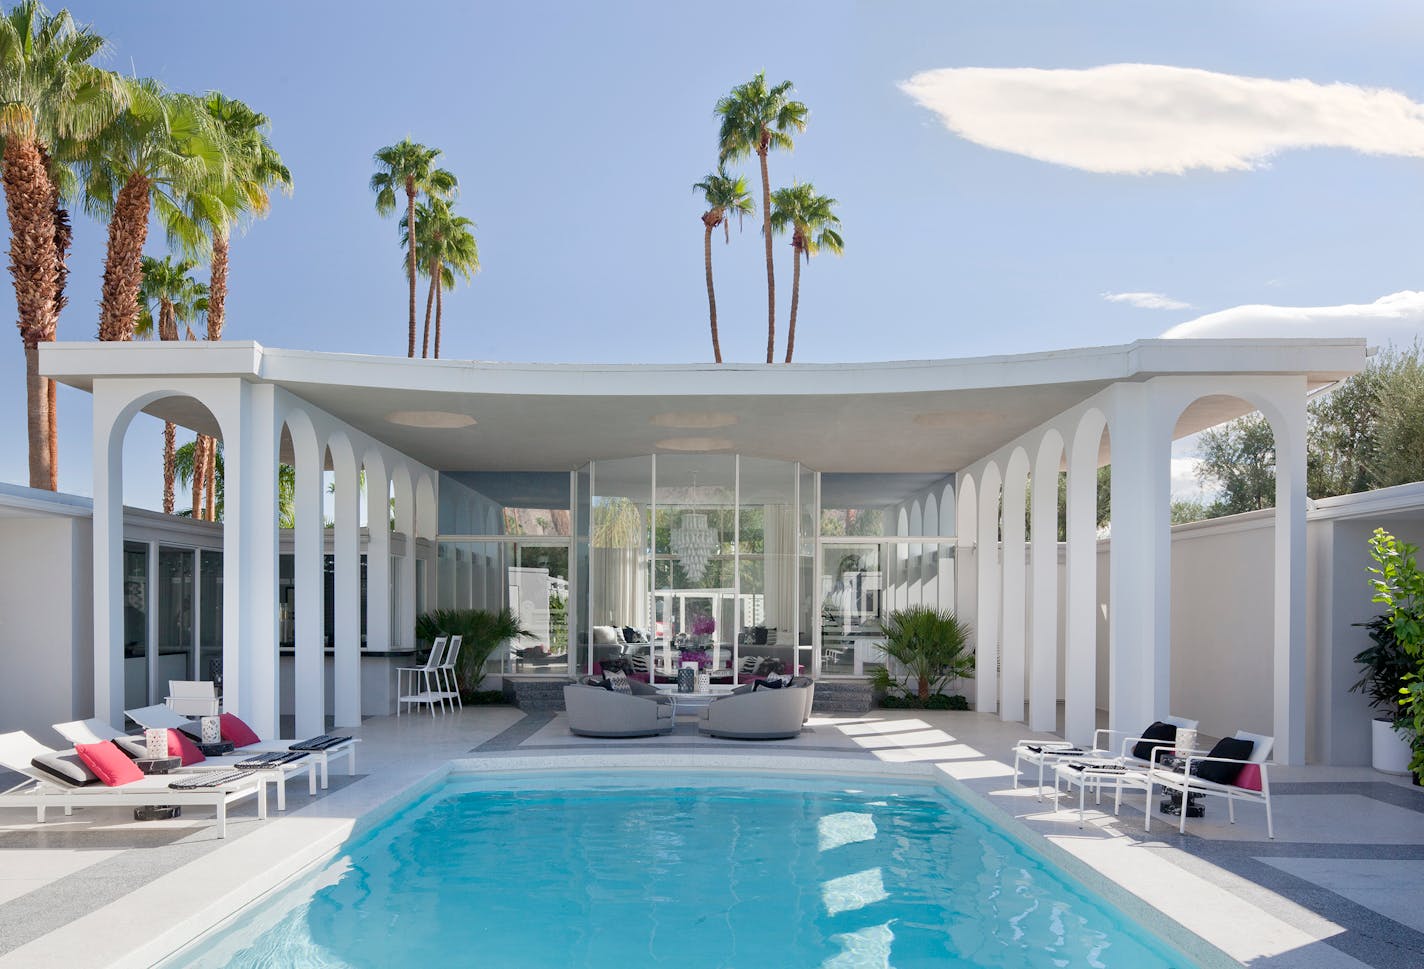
758 715
596 712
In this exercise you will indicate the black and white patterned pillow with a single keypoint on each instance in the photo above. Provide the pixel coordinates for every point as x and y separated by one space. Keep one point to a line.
639 662
618 681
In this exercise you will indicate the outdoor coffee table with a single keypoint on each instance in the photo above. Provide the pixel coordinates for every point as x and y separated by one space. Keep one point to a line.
1085 774
691 704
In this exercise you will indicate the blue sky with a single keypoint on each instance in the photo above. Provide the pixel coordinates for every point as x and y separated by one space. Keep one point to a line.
577 131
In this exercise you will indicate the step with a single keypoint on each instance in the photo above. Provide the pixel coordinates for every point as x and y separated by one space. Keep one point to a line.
843 696
541 693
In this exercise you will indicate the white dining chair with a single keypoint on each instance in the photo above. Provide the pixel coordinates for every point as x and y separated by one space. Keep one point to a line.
450 676
427 677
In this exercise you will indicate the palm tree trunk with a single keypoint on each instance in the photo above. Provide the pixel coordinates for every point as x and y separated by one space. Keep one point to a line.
770 273
429 305
795 298
711 295
200 450
123 261
212 485
439 306
29 204
217 284
169 430
63 237
410 223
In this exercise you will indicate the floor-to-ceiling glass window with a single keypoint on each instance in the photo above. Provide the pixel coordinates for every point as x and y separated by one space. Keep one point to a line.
619 570
137 602
210 615
694 563
513 552
175 616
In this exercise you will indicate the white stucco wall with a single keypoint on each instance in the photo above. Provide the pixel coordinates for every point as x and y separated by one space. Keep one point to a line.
46 623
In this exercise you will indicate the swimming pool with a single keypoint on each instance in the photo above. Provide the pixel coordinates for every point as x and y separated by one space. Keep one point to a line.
638 868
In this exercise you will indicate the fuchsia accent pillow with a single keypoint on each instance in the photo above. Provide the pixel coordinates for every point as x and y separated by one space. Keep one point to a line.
180 746
1250 777
110 764
237 732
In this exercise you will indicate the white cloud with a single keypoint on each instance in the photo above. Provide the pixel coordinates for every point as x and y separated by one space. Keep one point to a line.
1147 301
1397 318
1142 119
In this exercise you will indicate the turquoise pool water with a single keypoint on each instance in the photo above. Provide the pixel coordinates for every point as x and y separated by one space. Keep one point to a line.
656 869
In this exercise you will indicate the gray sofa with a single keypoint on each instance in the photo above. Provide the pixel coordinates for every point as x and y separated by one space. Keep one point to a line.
757 715
596 712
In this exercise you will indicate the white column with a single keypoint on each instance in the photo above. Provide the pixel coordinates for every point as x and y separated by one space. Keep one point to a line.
347 550
986 659
1289 654
1043 666
378 557
404 635
108 465
1011 655
252 619
1081 627
308 539
1140 576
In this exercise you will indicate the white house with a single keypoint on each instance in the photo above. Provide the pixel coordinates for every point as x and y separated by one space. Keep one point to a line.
758 511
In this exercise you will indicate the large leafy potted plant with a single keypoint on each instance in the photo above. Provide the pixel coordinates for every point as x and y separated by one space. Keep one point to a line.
1400 588
483 632
1385 667
930 649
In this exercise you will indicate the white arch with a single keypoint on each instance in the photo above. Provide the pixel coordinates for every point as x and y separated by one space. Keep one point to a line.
1043 649
946 511
986 658
346 551
426 511
378 549
308 573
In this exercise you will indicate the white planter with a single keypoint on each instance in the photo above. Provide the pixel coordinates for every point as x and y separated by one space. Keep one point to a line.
1389 749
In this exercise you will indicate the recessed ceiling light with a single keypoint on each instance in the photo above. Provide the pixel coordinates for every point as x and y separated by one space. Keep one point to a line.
695 419
443 419
694 444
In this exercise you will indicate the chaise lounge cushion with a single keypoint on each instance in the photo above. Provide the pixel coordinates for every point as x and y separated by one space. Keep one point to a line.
1159 731
1232 749
110 764
180 746
66 767
237 732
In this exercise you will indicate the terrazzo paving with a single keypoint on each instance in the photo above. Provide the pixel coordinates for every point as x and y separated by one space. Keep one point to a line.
1338 888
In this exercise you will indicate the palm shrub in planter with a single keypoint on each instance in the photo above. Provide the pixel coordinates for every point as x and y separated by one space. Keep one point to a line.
483 632
1400 588
931 646
1385 668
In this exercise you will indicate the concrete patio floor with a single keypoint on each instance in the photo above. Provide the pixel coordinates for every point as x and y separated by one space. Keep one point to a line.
1338 887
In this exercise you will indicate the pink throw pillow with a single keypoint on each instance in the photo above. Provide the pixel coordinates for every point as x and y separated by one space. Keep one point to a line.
110 764
237 732
1250 777
180 746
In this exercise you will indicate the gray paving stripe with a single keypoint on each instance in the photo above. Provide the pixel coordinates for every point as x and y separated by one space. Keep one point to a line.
516 733
1411 800
145 854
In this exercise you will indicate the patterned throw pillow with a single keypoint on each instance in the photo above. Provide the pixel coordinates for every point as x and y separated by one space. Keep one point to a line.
639 662
619 681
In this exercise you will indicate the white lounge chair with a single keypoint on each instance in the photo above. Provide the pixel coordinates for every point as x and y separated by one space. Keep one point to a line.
1186 783
160 716
421 684
42 790
449 676
1050 753
95 731
193 698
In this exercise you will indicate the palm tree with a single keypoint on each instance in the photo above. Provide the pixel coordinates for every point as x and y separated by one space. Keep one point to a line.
160 149
725 194
814 226
410 168
49 92
168 296
242 189
445 249
756 118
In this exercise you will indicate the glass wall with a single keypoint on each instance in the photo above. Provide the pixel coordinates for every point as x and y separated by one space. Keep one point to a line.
137 602
175 615
210 616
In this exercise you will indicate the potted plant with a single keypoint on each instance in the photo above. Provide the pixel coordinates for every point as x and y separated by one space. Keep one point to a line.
1400 587
483 631
1385 666
931 647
